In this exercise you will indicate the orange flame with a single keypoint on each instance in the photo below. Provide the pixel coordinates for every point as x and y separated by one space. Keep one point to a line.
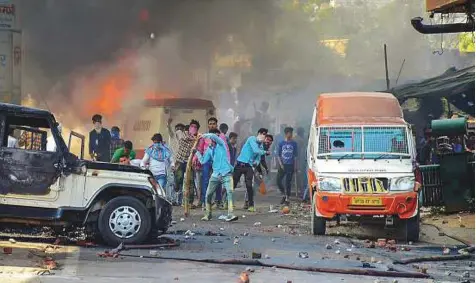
110 94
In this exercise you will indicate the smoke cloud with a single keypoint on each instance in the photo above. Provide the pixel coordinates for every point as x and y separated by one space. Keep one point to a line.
78 51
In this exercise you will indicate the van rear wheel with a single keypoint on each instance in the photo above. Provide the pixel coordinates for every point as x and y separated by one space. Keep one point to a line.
318 224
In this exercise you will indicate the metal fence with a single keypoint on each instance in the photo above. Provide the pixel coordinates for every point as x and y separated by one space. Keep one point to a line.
432 189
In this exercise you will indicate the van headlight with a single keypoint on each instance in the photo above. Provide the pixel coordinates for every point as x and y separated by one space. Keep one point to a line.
160 191
329 184
402 183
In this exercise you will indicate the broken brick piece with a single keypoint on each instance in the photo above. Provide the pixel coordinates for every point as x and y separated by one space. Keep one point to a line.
255 255
49 263
381 243
370 245
244 278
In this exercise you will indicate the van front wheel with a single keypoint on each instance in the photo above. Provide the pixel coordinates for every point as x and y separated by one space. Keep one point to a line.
318 224
412 228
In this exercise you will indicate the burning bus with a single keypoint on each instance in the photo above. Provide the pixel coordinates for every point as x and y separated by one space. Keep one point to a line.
155 113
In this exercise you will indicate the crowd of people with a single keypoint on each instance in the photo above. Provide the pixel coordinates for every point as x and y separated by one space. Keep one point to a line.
217 162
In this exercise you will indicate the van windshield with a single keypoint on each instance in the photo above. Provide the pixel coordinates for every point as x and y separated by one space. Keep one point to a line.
367 142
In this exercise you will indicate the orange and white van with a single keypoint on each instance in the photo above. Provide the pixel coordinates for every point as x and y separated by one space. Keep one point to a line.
361 162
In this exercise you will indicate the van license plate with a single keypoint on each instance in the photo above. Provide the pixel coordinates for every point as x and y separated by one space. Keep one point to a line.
367 201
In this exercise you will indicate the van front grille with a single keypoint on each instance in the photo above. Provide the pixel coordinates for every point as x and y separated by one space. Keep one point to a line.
365 185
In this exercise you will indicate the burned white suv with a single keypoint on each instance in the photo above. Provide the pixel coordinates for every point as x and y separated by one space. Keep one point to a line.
120 203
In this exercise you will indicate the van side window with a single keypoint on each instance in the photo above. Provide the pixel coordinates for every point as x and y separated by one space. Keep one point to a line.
28 133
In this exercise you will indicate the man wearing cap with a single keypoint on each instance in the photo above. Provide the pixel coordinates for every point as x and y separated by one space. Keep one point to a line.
99 141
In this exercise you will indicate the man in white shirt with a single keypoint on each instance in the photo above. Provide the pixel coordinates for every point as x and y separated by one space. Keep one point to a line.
50 141
12 142
158 158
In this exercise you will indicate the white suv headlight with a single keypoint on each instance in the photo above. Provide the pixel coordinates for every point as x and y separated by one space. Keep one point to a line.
329 184
402 183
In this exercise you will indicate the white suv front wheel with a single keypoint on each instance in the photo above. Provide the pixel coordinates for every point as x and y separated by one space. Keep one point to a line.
125 220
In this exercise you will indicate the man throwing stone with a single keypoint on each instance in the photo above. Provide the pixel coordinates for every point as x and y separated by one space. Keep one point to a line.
222 173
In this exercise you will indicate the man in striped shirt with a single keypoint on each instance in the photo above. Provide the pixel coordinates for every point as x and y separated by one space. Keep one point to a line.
184 150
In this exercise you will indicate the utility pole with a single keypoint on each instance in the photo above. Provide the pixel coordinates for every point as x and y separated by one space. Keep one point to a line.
386 66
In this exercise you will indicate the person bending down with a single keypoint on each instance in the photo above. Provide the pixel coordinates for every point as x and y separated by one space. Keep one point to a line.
249 157
222 173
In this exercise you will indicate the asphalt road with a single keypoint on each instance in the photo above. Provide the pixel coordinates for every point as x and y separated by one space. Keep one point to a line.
278 238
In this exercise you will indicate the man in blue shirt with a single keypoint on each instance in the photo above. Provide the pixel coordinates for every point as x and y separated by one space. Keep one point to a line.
287 160
250 157
217 154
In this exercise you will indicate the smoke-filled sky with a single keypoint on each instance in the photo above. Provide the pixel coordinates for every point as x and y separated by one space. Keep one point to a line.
99 52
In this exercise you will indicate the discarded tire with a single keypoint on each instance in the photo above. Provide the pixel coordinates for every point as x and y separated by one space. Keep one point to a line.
125 220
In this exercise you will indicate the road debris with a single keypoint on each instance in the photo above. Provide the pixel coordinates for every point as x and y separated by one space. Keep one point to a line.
244 278
466 250
329 247
285 210
7 250
86 244
432 258
338 252
337 242
49 263
366 265
272 209
255 255
369 244
381 243
303 255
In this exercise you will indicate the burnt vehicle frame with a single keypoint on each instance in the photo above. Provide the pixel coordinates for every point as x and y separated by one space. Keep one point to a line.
37 186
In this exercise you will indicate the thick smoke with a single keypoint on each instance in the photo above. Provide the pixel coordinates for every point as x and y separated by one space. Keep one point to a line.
73 48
